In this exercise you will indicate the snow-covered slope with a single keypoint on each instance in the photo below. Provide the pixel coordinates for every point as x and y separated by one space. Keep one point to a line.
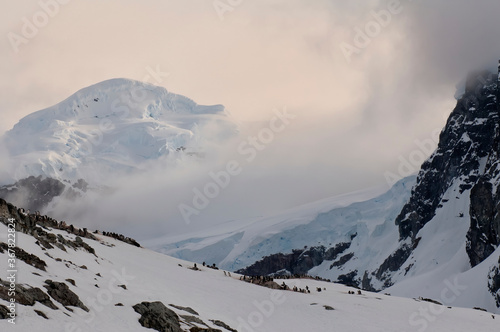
118 276
112 127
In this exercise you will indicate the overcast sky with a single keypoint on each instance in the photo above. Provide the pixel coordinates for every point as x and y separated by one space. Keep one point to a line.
357 116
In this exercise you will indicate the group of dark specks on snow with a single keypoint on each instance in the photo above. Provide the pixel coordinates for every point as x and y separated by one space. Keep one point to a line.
268 281
29 222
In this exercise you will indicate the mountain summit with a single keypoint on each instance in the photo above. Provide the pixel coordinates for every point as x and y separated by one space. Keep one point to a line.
113 126
110 129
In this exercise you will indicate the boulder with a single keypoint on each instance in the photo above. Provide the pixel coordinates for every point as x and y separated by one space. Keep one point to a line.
155 315
61 293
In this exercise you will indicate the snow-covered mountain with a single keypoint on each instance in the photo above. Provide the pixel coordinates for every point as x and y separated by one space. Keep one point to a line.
115 125
106 130
413 240
435 235
68 279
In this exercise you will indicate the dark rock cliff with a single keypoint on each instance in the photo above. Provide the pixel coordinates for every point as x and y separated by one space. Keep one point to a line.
467 138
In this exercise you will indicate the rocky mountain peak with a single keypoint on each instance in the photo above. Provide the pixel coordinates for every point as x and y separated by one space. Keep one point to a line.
467 140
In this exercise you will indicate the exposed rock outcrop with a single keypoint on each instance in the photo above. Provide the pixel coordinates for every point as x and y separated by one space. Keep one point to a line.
186 309
467 152
299 262
26 295
494 283
199 329
22 255
483 236
223 325
4 312
467 138
155 315
61 293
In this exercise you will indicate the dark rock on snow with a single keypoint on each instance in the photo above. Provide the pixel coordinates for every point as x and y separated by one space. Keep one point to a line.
61 293
157 316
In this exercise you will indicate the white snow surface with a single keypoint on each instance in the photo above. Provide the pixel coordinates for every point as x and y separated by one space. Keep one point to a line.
112 127
151 276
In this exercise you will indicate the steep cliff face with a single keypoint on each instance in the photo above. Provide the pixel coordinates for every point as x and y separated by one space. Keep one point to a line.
483 236
465 167
464 143
467 156
484 233
494 282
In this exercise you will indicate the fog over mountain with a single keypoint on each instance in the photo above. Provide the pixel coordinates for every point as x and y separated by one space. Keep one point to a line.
292 143
264 55
422 53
